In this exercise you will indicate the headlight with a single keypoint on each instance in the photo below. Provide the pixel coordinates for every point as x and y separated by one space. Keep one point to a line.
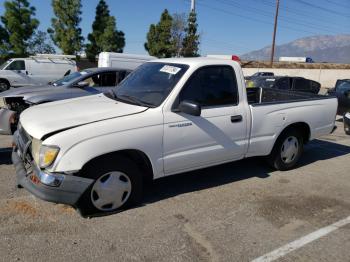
36 144
47 155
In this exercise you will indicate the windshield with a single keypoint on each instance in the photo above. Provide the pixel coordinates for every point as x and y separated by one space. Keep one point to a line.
150 83
5 64
65 80
344 86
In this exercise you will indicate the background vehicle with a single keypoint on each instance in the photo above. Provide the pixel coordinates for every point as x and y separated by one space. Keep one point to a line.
35 70
258 74
87 82
296 59
127 61
169 116
286 83
342 92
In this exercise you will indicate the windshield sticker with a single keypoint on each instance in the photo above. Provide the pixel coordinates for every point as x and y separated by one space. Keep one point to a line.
173 70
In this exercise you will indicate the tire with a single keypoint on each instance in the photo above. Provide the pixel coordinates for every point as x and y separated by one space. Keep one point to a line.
346 125
103 196
4 85
287 150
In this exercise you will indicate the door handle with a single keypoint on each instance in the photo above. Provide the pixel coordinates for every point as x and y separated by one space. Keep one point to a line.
236 119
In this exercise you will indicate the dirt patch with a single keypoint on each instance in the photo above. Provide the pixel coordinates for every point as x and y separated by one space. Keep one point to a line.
315 209
22 207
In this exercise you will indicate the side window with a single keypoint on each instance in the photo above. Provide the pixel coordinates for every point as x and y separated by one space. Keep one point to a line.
16 65
301 84
212 86
283 84
102 80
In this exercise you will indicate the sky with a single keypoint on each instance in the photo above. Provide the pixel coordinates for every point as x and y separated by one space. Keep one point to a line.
225 26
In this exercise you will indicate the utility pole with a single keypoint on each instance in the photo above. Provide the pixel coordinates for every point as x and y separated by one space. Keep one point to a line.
193 5
274 33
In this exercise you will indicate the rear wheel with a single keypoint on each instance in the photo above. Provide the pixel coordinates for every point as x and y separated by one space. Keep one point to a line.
4 85
287 150
117 186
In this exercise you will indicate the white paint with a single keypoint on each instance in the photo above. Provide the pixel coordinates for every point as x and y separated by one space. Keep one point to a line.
327 77
284 250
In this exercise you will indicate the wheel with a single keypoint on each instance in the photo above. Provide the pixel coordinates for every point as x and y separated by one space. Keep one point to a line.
346 121
117 186
287 150
4 85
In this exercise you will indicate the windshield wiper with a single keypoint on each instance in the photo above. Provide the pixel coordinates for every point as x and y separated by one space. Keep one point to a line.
134 100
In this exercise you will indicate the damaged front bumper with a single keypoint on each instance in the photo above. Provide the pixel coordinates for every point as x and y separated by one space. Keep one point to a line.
52 187
7 120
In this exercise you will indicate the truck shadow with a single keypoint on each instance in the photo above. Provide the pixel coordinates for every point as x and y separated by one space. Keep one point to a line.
168 187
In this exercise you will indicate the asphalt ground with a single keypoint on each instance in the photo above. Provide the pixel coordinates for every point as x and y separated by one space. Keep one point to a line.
234 212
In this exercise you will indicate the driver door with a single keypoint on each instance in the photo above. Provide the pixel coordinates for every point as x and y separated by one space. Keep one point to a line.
18 73
218 135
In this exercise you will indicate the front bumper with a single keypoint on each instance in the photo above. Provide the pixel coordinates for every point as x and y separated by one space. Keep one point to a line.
67 190
5 121
347 123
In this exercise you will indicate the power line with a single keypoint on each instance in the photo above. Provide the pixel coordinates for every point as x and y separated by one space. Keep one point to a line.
283 18
322 8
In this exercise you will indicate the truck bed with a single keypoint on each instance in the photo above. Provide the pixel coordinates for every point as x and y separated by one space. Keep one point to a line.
262 96
273 110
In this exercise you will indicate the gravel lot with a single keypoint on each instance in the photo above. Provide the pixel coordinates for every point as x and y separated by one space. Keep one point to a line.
234 212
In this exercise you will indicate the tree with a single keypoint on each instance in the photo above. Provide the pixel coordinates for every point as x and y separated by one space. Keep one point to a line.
178 32
40 43
191 41
4 41
65 31
104 37
19 24
159 38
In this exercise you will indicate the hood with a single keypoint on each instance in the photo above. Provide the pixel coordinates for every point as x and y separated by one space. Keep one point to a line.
44 119
30 91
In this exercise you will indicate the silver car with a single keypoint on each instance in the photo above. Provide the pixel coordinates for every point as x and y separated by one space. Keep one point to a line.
87 82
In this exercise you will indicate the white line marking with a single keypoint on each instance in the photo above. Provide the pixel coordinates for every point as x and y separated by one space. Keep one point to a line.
282 251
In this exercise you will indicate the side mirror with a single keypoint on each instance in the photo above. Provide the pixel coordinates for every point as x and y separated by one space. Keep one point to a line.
190 108
81 84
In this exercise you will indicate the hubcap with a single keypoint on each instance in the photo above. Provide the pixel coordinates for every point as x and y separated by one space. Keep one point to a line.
111 191
289 149
3 87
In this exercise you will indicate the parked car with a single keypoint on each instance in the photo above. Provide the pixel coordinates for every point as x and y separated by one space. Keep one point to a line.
127 61
35 70
258 74
347 123
342 92
87 82
169 116
299 84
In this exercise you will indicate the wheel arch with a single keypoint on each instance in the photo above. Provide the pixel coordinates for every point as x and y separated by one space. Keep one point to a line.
137 156
303 127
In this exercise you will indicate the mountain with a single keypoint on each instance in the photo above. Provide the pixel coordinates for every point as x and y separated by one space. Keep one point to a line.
322 48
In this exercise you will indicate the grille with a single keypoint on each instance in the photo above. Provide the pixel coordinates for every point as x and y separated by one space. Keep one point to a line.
24 142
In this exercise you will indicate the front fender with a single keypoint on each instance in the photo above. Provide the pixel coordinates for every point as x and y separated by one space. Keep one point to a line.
82 149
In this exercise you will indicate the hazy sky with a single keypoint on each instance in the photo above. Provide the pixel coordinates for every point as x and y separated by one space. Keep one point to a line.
226 26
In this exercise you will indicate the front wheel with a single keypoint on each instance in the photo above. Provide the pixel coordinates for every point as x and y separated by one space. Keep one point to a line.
287 150
117 186
346 120
4 85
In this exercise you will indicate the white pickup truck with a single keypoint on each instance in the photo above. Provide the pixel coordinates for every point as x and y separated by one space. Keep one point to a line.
169 116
